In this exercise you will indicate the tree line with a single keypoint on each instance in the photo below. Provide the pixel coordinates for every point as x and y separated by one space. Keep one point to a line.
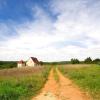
88 60
8 64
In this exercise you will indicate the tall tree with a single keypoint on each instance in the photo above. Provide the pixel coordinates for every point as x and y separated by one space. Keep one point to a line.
96 61
75 61
88 60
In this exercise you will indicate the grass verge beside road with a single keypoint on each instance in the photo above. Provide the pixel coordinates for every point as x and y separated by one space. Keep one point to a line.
55 74
22 83
86 77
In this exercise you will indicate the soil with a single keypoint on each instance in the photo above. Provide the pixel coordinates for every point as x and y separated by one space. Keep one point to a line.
64 89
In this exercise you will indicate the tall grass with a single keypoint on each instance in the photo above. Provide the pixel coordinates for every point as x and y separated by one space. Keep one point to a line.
22 86
88 78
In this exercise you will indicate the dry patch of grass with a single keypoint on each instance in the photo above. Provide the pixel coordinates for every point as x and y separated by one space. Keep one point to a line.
17 72
75 65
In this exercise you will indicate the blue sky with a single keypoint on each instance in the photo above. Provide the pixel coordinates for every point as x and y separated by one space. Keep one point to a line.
16 10
51 30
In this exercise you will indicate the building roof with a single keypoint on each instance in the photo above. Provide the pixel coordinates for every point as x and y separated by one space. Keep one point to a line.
35 60
21 62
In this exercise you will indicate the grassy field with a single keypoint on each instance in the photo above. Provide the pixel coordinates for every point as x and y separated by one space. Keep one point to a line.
87 77
22 83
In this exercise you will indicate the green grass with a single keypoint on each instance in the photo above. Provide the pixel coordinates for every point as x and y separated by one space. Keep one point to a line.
24 86
56 75
87 78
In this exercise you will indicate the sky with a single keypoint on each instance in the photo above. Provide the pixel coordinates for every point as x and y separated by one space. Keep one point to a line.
51 30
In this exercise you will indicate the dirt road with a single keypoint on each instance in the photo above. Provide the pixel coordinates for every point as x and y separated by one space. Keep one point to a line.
63 89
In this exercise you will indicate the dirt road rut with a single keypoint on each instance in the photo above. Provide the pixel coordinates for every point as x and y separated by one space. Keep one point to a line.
63 89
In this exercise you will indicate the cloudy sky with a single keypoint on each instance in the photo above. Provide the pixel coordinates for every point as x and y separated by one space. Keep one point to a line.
51 30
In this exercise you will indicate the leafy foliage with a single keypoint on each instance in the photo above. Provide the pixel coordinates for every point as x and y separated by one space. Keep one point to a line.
88 60
75 61
8 64
96 61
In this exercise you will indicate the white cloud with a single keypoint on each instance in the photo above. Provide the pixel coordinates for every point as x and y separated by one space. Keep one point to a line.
77 22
